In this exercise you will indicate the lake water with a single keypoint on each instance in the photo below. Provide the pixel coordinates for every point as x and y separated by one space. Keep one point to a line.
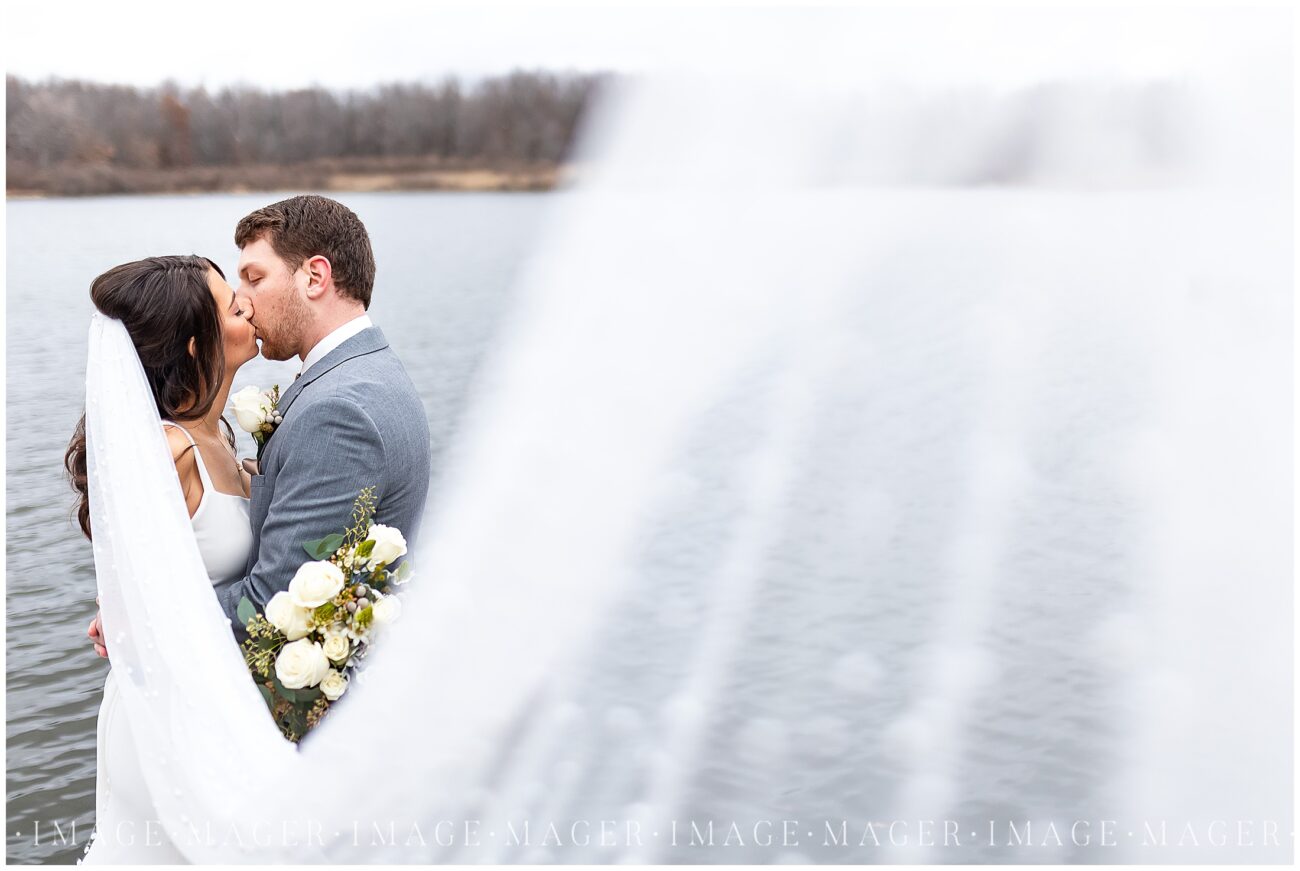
446 264
1021 557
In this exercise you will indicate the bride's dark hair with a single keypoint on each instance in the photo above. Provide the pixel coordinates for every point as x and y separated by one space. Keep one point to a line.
163 302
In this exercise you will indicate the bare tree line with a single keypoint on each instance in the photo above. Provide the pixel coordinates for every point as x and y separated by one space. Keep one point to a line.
513 133
78 131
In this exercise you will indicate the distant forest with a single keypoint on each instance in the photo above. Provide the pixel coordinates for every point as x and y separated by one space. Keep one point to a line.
507 132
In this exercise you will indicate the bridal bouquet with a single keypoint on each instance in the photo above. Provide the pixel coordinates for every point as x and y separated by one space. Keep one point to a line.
258 413
311 639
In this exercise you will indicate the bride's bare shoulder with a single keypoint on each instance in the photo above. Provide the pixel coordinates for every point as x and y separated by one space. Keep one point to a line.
180 445
187 468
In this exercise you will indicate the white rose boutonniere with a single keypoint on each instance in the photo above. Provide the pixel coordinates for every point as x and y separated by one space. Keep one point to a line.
258 413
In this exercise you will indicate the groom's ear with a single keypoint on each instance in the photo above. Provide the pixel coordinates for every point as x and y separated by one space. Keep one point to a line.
319 276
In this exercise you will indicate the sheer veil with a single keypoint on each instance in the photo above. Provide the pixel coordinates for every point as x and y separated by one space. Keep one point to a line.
181 677
838 461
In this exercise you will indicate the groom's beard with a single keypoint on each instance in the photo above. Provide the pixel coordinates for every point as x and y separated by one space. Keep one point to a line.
271 351
285 339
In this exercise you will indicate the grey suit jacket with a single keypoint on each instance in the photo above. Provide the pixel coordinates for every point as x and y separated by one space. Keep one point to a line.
353 420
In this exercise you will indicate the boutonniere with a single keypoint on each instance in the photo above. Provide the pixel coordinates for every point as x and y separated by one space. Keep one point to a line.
258 413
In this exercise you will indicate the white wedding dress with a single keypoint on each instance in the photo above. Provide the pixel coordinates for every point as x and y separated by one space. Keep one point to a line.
127 830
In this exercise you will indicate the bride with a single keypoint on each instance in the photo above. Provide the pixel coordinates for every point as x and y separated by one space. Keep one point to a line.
192 334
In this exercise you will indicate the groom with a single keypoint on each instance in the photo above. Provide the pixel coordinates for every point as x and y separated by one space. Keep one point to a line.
351 418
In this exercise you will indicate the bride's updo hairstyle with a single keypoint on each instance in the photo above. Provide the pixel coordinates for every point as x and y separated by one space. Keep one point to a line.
164 302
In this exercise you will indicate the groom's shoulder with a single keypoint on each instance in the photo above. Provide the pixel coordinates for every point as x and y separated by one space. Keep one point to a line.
375 380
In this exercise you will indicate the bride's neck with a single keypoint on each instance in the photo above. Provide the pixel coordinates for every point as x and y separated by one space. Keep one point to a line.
211 422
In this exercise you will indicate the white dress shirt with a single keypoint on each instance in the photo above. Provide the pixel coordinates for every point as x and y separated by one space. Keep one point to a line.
333 340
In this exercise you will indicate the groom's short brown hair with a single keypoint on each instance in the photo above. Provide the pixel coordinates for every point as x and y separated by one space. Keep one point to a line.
308 226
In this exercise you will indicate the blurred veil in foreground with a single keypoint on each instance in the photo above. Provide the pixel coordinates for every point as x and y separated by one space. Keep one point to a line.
917 444
888 428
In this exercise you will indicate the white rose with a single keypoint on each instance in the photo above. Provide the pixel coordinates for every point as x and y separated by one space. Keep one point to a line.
252 408
289 618
386 610
337 647
315 584
333 685
389 544
301 663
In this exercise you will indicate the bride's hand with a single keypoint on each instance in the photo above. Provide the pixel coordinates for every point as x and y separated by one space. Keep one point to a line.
96 634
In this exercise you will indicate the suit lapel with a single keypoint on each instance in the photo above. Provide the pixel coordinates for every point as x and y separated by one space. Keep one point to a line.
368 341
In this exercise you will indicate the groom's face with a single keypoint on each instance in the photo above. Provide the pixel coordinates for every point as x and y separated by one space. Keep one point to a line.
280 312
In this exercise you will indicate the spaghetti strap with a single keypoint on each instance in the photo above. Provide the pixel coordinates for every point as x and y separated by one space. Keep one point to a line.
184 432
198 457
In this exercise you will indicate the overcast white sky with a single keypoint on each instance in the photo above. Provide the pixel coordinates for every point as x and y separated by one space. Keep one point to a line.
291 43
295 43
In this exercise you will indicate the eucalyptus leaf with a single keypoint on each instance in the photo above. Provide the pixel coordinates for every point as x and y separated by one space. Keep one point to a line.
283 691
323 548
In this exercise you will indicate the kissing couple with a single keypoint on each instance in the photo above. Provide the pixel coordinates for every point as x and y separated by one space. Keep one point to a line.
350 420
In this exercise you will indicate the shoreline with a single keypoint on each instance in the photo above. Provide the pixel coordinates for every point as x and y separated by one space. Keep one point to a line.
338 176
